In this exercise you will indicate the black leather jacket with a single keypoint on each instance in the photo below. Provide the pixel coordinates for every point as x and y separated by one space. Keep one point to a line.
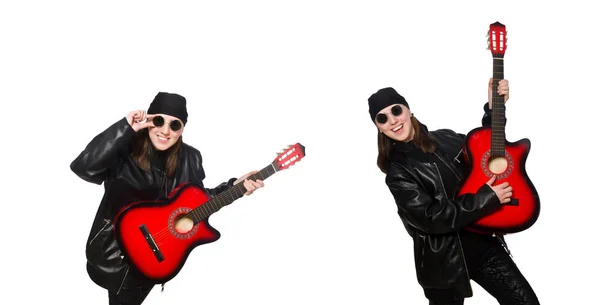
432 214
106 159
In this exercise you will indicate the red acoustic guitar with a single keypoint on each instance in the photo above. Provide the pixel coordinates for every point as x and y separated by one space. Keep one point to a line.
156 237
490 153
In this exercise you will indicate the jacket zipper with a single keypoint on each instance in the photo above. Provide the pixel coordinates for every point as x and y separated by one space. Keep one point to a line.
504 245
463 256
457 234
106 223
455 174
456 157
163 183
123 280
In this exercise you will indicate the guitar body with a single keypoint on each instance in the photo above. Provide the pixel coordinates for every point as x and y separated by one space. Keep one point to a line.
142 224
156 237
524 208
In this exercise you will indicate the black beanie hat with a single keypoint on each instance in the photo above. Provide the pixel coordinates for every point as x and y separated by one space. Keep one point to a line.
384 98
170 104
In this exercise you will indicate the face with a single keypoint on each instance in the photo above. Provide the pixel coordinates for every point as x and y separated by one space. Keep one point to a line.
394 122
162 134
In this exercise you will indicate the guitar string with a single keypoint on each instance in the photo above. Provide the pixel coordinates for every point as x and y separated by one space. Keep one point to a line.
201 213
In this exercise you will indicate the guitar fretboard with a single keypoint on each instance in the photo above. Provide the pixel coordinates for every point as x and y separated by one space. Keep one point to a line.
229 196
498 111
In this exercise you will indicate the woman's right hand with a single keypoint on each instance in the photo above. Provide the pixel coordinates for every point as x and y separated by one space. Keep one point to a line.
502 190
139 120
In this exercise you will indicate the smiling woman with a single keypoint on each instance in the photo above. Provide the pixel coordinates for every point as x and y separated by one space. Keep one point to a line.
141 157
424 171
154 136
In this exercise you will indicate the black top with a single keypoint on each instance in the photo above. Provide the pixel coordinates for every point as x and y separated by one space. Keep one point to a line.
159 158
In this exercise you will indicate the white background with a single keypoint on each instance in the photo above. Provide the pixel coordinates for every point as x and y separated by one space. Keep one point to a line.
260 75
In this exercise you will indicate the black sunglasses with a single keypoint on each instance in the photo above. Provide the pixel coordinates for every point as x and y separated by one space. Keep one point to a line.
158 121
382 118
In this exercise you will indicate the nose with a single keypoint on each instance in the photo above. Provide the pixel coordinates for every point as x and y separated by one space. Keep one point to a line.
393 119
165 129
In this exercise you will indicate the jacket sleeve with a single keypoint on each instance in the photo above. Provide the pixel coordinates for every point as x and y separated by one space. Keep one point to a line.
438 215
486 120
199 174
221 187
99 155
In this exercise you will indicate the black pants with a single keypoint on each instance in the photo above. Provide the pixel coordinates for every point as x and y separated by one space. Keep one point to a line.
499 276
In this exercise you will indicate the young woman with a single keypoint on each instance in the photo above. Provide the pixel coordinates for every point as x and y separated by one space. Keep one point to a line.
424 170
140 157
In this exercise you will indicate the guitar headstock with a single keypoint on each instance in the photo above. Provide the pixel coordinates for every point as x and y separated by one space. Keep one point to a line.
289 156
497 39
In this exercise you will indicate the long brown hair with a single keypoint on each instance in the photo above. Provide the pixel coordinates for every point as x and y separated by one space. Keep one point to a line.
385 144
143 150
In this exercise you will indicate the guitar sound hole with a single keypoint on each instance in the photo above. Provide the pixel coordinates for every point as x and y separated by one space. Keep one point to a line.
498 165
183 224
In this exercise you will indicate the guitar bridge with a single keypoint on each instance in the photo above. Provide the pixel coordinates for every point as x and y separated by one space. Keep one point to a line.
513 202
153 246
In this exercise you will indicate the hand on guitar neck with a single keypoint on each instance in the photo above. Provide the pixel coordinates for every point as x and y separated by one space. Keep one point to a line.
502 90
502 190
250 184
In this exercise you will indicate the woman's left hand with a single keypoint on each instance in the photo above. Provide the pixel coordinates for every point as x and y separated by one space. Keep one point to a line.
502 90
249 184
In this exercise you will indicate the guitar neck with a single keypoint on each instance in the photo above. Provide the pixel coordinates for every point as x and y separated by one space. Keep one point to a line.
229 196
498 110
